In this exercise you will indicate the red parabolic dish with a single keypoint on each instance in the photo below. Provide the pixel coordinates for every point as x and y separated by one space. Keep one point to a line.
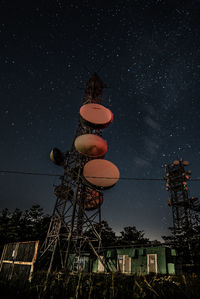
101 173
96 114
93 199
91 145
176 162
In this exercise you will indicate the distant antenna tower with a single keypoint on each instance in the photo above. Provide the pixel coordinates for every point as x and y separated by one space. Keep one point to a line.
77 211
184 208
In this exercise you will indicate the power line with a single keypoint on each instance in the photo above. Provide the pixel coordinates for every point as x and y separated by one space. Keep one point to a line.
28 173
60 175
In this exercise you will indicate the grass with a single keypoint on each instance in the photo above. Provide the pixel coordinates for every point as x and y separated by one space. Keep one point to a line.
103 286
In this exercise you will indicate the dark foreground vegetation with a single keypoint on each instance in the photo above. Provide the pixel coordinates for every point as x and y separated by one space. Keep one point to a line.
103 286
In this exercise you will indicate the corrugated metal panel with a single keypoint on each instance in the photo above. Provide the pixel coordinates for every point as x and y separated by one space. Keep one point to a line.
132 253
6 271
25 253
141 251
173 252
10 251
171 268
111 253
17 260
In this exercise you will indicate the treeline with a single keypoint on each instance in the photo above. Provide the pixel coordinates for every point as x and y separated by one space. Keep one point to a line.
25 225
33 225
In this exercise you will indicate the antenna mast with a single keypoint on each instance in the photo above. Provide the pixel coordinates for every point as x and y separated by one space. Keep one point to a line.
77 212
185 209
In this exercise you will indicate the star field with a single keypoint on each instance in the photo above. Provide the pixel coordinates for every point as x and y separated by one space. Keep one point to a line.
148 54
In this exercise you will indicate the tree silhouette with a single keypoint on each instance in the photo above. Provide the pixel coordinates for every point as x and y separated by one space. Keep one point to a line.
131 236
18 226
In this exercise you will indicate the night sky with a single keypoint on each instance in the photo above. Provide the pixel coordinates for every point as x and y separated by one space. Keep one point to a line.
148 54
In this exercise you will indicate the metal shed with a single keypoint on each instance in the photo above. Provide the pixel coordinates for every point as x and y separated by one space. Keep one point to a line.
140 260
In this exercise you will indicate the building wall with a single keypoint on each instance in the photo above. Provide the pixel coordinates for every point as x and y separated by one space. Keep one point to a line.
139 259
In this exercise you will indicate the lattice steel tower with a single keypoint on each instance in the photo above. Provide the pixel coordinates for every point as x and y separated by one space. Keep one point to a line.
77 211
185 209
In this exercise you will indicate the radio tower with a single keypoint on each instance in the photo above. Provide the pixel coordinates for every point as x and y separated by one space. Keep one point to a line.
77 211
185 209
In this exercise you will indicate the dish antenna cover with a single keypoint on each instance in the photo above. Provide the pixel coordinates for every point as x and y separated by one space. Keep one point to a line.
93 199
91 145
101 173
96 115
57 157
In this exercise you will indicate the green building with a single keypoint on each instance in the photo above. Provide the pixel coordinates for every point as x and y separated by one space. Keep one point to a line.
132 260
